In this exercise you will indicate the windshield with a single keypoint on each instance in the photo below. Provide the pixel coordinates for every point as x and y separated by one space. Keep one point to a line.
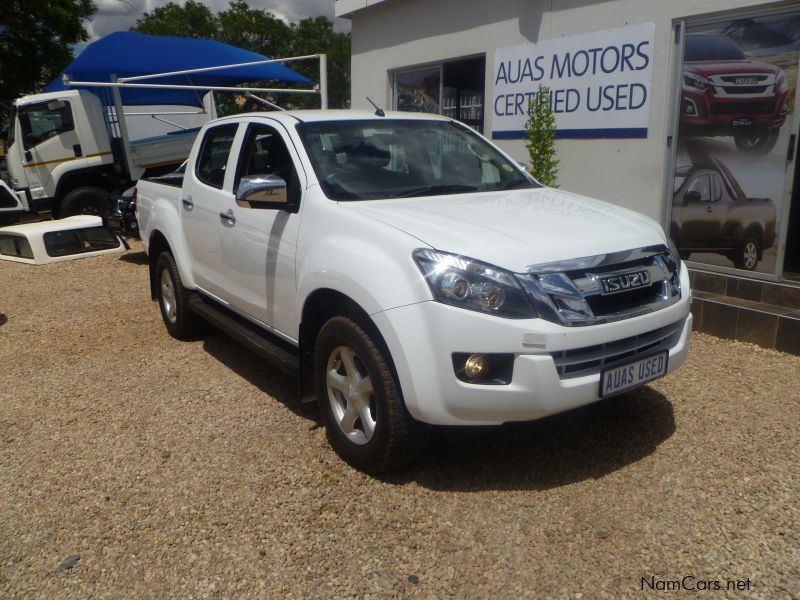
402 158
711 47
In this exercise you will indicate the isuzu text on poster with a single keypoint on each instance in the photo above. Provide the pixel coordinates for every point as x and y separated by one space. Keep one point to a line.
599 83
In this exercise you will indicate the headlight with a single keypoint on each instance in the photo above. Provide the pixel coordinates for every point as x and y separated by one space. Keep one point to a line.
695 82
474 285
780 80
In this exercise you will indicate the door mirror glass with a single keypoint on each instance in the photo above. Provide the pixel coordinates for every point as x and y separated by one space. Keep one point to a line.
262 191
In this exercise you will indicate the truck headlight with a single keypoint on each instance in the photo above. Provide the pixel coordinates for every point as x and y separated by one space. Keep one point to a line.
780 81
474 285
698 83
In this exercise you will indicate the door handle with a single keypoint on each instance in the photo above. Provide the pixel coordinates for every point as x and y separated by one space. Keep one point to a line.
709 209
227 218
187 203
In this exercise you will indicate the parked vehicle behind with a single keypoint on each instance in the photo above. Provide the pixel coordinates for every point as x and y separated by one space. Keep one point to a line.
727 94
711 213
410 273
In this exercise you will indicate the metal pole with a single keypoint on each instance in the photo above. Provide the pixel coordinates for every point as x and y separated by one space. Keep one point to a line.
323 81
218 68
164 86
123 127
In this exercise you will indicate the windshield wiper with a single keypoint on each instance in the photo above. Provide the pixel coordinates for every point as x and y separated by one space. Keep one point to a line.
431 190
517 185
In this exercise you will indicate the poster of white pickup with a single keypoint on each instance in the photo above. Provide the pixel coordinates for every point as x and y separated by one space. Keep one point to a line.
599 83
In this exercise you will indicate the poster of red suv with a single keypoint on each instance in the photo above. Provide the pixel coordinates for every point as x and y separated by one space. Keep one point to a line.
737 97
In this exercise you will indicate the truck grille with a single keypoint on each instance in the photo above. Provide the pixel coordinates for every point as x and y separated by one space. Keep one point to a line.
592 359
605 288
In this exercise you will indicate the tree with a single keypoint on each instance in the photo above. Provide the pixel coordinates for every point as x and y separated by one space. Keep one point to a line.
541 145
315 35
192 20
36 38
254 29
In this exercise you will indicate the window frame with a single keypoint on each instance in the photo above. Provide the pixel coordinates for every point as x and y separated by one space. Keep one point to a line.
47 236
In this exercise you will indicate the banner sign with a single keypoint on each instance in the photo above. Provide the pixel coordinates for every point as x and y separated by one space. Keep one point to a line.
599 83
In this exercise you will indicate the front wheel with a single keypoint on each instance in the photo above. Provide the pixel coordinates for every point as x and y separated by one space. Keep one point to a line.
173 300
87 200
360 402
748 254
758 143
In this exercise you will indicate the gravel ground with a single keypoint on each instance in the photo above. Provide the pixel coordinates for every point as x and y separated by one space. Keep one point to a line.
132 464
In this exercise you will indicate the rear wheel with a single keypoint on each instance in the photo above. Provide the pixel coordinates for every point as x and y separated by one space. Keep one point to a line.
758 143
173 300
87 200
360 402
748 254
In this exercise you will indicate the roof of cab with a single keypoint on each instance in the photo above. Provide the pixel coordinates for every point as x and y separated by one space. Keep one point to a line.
311 116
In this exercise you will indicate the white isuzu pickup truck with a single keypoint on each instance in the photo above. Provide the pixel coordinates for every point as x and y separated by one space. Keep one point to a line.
411 273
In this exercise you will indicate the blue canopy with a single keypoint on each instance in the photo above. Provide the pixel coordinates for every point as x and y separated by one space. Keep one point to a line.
127 54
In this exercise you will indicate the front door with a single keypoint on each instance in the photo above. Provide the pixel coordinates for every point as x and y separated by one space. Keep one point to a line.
49 136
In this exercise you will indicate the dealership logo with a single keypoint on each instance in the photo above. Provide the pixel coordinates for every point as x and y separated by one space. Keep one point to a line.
615 284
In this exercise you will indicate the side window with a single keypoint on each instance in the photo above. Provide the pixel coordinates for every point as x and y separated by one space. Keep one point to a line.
213 156
15 245
40 122
77 241
264 152
702 186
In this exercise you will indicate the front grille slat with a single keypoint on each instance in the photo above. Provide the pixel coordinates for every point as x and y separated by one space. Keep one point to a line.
591 360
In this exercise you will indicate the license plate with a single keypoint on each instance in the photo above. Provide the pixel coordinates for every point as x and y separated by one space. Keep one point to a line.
746 81
743 122
615 380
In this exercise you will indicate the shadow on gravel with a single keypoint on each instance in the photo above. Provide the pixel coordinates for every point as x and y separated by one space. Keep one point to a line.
3 319
258 372
135 258
586 443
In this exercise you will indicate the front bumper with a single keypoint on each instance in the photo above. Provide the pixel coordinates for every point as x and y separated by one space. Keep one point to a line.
720 115
422 338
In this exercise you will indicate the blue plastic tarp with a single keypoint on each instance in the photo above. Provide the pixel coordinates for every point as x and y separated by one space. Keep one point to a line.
128 54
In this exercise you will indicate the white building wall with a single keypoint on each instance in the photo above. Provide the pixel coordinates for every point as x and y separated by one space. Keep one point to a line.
394 34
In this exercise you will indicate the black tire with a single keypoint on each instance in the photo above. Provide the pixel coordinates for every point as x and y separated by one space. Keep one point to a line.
87 200
396 438
758 143
748 253
181 323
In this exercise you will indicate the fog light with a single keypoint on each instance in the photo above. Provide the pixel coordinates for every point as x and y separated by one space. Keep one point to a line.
477 366
483 369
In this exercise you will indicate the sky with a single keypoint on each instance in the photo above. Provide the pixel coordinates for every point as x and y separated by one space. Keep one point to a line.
121 15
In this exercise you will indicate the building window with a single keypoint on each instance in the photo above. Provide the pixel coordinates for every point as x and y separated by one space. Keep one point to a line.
454 89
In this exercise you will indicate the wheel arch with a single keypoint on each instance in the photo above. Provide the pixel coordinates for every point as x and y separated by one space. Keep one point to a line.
321 305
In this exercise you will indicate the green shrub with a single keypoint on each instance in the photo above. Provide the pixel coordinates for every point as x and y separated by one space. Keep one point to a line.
541 145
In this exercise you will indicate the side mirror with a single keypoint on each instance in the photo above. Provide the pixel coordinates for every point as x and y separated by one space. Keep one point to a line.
265 192
693 196
524 166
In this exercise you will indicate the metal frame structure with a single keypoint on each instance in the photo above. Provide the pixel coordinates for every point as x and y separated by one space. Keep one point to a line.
135 82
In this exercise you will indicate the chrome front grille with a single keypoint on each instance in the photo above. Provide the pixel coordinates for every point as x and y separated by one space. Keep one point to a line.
604 288
592 359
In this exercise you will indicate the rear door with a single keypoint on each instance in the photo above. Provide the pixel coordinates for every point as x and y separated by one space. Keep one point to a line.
205 196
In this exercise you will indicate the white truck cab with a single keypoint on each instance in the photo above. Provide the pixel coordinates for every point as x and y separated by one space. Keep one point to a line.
64 150
411 273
